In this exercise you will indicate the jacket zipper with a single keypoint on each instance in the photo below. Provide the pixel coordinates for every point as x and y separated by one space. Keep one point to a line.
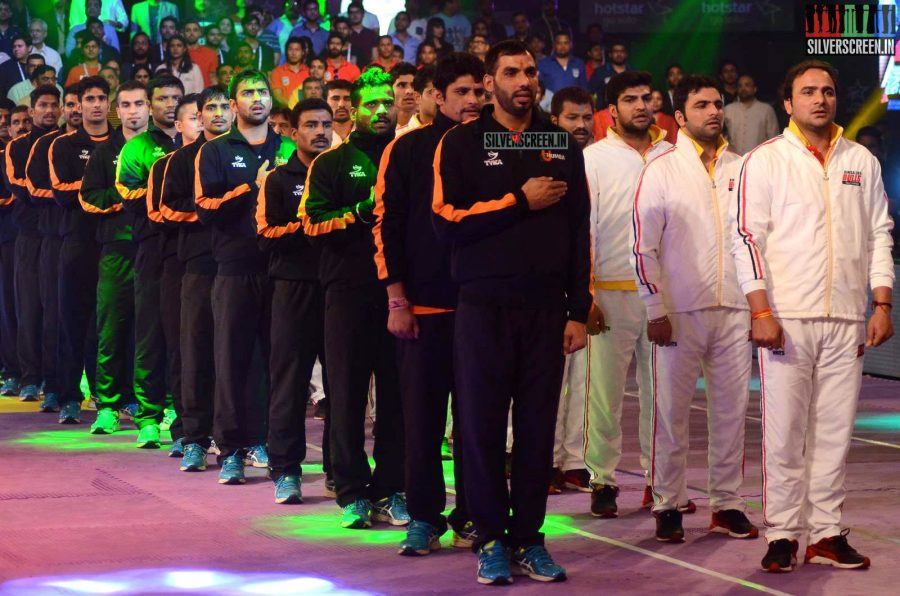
720 266
829 265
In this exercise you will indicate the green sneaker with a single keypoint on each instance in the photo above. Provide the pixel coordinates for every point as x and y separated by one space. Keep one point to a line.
357 515
168 419
148 437
107 422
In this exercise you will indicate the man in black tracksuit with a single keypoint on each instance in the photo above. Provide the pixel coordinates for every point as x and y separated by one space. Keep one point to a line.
229 170
415 267
337 212
79 254
9 357
518 220
297 301
45 103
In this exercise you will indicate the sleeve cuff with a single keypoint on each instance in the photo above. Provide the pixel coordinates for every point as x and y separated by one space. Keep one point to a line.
655 307
881 281
753 285
521 201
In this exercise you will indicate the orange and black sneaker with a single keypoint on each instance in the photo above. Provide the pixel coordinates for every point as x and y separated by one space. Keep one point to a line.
556 482
647 499
603 501
837 552
781 556
734 523
668 526
578 479
688 508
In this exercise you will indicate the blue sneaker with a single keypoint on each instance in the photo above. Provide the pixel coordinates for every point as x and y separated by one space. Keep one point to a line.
10 387
391 510
70 413
287 490
194 459
169 417
129 411
232 470
421 539
493 564
465 536
177 448
257 456
357 515
535 562
29 393
50 403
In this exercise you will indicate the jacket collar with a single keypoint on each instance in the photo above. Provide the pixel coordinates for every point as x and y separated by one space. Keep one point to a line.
442 123
160 136
691 147
295 166
83 135
796 136
367 142
488 122
657 136
234 136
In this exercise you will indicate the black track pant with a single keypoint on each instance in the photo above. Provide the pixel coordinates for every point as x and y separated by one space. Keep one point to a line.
49 273
240 314
149 342
170 313
115 324
78 265
197 363
358 344
9 356
426 382
297 336
28 308
504 352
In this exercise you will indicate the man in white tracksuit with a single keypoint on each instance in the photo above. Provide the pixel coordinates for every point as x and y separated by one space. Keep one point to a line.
811 232
612 166
697 318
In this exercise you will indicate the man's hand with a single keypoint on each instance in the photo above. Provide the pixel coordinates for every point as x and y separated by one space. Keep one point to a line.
543 192
403 324
261 173
574 337
659 332
596 322
881 328
767 333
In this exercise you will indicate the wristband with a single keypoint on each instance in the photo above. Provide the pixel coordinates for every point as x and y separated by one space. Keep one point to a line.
658 321
876 304
398 303
360 217
761 314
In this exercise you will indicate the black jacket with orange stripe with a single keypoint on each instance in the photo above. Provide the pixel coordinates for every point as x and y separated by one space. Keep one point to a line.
407 247
503 253
336 209
168 236
69 155
25 215
281 237
178 210
37 177
99 197
7 228
225 194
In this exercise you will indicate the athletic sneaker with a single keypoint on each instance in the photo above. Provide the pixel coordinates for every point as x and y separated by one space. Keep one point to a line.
129 411
668 526
213 448
734 523
579 479
29 393
837 552
493 564
287 490
107 422
148 437
169 417
691 507
257 456
70 413
647 499
330 489
10 387
177 448
357 515
535 562
391 510
556 482
465 536
421 539
232 470
603 501
781 556
50 403
446 452
320 412
194 458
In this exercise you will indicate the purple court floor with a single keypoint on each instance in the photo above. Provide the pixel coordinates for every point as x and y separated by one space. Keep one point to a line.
93 515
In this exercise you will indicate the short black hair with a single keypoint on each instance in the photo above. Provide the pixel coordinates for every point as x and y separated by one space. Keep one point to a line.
71 90
456 65
618 83
281 111
186 100
42 91
244 76
334 35
308 105
39 71
314 80
371 78
424 76
168 18
400 69
508 47
210 93
293 39
573 94
131 85
727 62
85 36
562 32
5 102
691 84
164 80
800 68
94 82
34 56
341 84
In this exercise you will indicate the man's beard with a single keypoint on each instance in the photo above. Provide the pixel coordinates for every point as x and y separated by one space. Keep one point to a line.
508 104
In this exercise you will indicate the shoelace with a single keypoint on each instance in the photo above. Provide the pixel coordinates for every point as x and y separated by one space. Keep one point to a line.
841 544
538 555
420 530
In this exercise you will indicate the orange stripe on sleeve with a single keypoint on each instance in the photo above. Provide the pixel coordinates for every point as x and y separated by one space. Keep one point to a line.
378 211
153 213
88 208
10 168
451 213
263 227
54 179
335 223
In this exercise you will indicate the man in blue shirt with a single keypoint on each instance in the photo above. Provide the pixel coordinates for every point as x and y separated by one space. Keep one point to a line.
311 26
561 69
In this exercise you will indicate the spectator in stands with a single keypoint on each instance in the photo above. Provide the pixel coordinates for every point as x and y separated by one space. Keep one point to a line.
385 53
478 46
224 74
24 87
287 78
337 65
14 70
107 50
243 57
496 31
204 57
594 59
142 74
287 22
521 27
749 121
403 38
536 45
362 39
674 74
280 121
138 55
434 35
215 41
369 19
728 79
113 14
311 27
263 56
426 55
38 31
229 36
42 74
594 37
8 31
337 94
405 98
617 62
178 62
312 88
549 23
168 26
92 9
318 69
456 25
562 69
147 16
90 55
20 121
657 102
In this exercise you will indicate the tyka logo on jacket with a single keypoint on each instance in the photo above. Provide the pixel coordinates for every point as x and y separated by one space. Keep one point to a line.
298 190
493 159
238 162
85 154
357 172
852 178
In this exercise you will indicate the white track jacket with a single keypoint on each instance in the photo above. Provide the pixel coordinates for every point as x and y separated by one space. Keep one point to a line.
681 232
812 233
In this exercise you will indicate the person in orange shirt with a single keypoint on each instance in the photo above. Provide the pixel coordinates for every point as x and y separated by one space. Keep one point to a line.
90 51
603 120
385 57
337 66
204 57
285 79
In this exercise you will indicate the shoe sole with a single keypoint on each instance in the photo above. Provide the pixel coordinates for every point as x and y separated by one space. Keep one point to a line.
192 468
578 487
754 533
675 538
357 525
689 508
776 568
232 481
411 552
820 560
331 494
387 519
70 421
254 464
28 399
148 445
54 410
606 514
291 500
176 453
103 431
460 542
524 571
498 581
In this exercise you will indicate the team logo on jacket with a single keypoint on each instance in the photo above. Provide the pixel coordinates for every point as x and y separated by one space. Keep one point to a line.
357 172
730 184
85 154
852 178
158 152
238 162
493 159
550 155
576 72
298 190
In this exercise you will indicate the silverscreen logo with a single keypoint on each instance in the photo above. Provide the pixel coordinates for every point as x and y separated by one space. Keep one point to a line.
850 28
538 141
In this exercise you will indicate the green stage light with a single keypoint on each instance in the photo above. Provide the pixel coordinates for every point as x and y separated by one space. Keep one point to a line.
322 523
78 440
879 422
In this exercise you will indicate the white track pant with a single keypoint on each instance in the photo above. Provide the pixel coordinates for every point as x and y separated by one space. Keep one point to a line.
609 356
568 444
809 397
715 342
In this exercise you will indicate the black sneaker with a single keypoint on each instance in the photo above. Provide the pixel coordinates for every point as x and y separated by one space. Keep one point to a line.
668 526
781 556
603 501
837 552
321 410
734 523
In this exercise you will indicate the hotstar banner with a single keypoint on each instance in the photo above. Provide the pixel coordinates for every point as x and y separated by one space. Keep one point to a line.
637 16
